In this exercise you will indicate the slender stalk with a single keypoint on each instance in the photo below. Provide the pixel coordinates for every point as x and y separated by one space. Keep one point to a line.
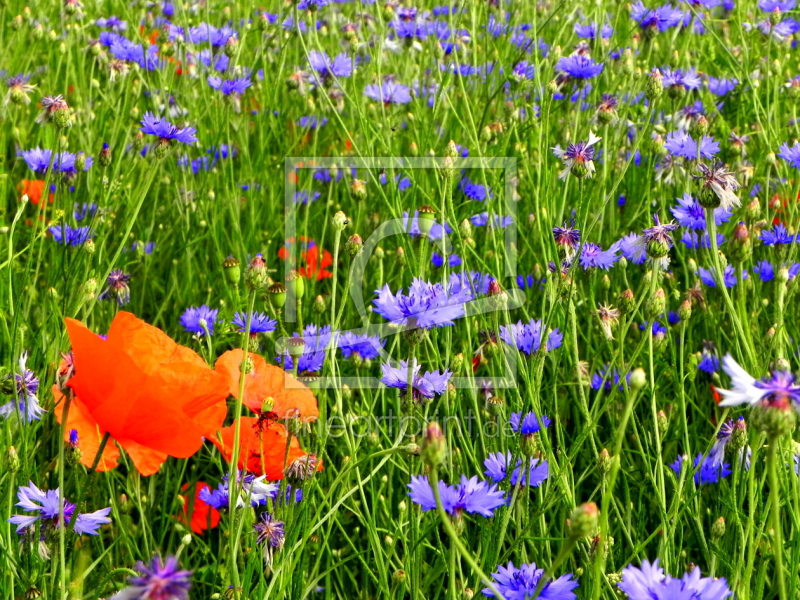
775 514
62 528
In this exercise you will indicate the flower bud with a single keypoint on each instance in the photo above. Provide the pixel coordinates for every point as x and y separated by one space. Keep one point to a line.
582 522
685 310
627 302
655 85
277 295
699 126
434 445
400 257
718 529
425 220
358 190
105 156
663 422
232 270
604 461
638 379
255 276
319 305
353 245
340 221
657 303
13 459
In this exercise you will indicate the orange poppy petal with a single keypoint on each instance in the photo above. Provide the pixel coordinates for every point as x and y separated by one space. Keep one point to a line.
262 447
89 433
291 398
146 460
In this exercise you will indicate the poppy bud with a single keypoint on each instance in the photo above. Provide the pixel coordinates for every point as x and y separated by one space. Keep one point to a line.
232 269
277 295
582 522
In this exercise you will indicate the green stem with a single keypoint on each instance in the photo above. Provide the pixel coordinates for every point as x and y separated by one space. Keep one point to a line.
62 530
775 508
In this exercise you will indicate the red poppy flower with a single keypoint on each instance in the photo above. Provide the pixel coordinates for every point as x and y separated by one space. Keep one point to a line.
155 397
290 398
265 447
315 267
202 515
33 189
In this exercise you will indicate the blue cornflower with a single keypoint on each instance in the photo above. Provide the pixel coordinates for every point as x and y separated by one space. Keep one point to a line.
271 534
690 214
790 155
317 340
680 143
113 23
388 92
311 5
728 276
474 191
650 582
528 424
593 255
567 239
47 508
680 80
303 197
26 403
82 211
605 380
523 582
706 470
498 466
37 159
365 346
453 260
157 580
426 305
482 219
259 323
229 86
423 386
578 66
771 6
592 31
709 361
166 131
475 282
199 319
471 495
694 241
766 271
527 337
117 287
657 19
721 86
657 329
528 282
325 68
726 433
523 70
70 236
779 235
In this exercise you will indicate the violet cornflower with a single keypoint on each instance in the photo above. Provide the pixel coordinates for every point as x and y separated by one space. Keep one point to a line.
388 92
326 67
424 386
650 582
252 489
259 323
426 305
790 155
166 131
229 86
117 287
690 214
365 346
25 384
593 255
528 337
605 379
578 157
778 235
470 495
578 66
680 143
199 320
46 506
728 276
777 389
316 340
656 20
70 236
523 583
498 466
158 580
706 470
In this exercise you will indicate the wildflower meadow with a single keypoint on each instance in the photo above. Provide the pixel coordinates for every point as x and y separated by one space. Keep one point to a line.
399 299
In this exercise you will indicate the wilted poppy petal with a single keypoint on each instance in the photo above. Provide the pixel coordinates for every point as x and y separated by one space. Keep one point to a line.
262 447
202 516
89 433
290 397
